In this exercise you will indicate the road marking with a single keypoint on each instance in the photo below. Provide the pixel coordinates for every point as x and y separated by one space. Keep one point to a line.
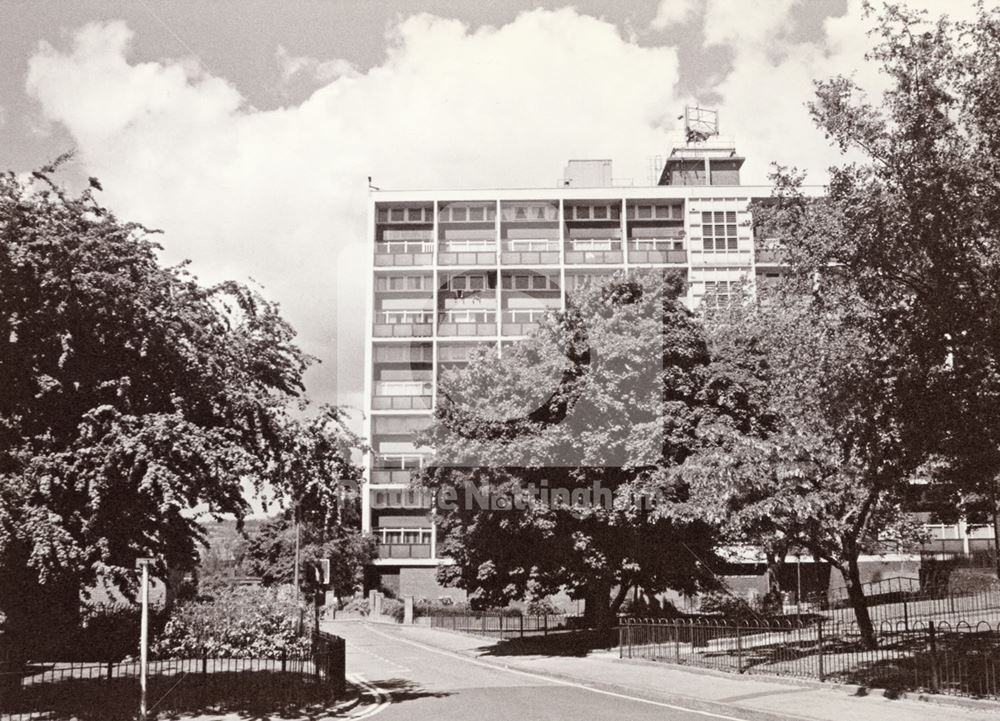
383 659
381 696
571 684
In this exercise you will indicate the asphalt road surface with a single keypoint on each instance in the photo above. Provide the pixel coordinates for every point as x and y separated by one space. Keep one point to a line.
409 680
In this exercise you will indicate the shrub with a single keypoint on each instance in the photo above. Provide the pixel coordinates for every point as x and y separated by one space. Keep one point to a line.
357 605
236 623
543 607
395 608
727 605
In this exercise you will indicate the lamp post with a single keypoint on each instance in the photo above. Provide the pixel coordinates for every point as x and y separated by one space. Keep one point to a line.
144 564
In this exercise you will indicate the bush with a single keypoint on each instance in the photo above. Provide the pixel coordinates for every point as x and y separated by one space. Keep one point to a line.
395 608
357 605
543 607
724 604
236 623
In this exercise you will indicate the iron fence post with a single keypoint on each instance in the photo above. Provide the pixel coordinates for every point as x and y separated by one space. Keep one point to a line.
522 626
819 655
677 643
545 620
739 650
906 616
501 625
932 650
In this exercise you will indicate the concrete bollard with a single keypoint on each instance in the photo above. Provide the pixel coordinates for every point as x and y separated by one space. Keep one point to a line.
407 609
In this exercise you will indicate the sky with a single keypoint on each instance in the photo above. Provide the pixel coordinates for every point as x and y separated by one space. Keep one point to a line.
247 130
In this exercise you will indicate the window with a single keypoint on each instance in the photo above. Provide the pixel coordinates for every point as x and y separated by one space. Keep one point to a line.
719 293
477 213
600 212
718 229
397 215
458 214
468 282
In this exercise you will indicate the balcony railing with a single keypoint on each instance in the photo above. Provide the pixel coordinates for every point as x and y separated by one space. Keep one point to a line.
475 251
530 251
395 468
770 256
467 322
403 542
593 251
521 321
404 550
655 250
404 324
404 252
402 395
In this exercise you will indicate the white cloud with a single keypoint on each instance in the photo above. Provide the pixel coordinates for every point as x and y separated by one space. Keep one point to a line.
280 195
672 12
322 71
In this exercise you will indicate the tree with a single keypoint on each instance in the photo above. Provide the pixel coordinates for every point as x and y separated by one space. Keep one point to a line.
831 474
271 554
133 395
552 461
915 225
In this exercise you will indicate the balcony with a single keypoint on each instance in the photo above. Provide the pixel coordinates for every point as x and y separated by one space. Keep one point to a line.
402 395
530 251
522 321
594 251
395 468
404 324
467 323
770 256
656 251
404 252
470 251
403 550
403 542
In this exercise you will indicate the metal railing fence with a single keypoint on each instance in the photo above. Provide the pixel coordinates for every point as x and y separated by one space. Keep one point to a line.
40 689
497 624
960 657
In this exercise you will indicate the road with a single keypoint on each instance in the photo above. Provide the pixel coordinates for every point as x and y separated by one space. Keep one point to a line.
412 681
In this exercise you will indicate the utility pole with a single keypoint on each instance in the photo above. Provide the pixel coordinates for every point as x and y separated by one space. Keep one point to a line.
296 572
144 564
798 592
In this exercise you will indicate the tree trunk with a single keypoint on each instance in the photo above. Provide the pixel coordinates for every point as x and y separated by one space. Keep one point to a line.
619 599
775 562
856 596
597 610
996 528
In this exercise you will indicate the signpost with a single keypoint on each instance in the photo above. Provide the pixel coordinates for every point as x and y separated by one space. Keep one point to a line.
144 564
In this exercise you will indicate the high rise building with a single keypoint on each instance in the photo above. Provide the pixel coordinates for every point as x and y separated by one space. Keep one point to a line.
454 270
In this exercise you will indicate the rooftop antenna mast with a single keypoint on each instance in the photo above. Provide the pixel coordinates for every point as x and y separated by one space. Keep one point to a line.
699 123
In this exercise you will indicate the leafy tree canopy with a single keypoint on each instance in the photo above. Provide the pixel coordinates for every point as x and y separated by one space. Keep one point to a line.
133 396
610 395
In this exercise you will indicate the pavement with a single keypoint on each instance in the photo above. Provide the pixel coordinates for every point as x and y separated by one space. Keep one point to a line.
414 672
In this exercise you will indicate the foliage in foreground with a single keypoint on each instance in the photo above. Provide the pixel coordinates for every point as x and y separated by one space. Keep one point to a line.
235 623
132 395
